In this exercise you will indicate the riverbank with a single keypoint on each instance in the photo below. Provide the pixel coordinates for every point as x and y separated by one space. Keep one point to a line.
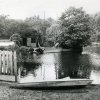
57 50
54 50
87 93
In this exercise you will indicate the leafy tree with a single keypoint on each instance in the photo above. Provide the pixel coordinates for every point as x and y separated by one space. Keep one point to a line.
12 27
8 26
52 33
40 25
31 27
97 21
3 20
96 24
16 38
76 29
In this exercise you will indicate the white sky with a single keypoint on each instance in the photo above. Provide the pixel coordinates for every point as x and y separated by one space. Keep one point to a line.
20 9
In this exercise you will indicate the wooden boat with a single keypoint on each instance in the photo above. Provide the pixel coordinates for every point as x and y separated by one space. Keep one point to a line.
57 83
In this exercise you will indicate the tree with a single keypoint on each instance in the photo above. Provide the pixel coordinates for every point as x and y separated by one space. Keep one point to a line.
40 25
8 26
52 33
96 18
3 21
16 38
31 27
76 29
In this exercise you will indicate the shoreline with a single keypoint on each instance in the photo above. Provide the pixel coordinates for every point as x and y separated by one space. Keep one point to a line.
86 93
55 50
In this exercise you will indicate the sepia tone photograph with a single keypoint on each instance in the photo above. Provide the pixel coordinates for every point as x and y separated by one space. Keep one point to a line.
49 50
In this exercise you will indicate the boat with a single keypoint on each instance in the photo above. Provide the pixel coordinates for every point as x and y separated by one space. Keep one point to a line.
57 83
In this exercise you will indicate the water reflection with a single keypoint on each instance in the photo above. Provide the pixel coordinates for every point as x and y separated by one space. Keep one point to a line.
95 76
51 66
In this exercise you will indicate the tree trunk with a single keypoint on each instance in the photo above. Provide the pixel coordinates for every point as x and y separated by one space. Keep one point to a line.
77 49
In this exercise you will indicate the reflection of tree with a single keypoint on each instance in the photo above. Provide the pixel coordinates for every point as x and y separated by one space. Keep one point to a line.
74 65
66 64
27 63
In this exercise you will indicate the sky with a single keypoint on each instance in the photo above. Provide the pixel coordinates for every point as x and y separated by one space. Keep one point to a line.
21 9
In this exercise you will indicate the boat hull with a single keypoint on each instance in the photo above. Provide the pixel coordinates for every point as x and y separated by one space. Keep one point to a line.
65 83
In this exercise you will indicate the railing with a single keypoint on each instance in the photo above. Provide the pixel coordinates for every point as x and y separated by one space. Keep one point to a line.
8 65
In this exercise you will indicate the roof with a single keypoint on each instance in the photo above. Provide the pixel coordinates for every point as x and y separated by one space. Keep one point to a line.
6 42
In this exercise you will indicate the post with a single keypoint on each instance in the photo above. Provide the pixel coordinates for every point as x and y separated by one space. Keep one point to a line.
0 62
8 63
15 66
11 61
9 66
4 67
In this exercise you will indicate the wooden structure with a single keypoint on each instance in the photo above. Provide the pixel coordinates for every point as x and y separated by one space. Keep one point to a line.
56 83
8 66
30 42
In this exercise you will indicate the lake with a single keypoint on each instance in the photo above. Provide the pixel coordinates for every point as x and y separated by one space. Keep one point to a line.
52 66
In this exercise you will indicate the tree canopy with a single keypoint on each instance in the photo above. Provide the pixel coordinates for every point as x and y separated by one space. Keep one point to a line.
76 28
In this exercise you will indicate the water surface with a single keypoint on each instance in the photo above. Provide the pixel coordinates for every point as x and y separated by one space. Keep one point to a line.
52 66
